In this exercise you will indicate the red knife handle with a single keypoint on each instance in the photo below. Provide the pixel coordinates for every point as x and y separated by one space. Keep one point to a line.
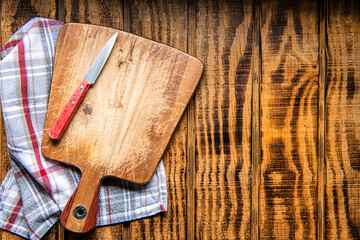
69 110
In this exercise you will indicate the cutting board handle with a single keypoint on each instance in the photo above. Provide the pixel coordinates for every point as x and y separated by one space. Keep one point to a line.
80 212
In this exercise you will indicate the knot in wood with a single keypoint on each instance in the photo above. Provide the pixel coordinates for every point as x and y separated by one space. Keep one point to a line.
87 109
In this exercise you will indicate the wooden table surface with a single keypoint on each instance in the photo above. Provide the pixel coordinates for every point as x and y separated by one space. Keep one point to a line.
269 147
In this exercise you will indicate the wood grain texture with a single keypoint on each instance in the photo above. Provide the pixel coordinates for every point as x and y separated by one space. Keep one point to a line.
191 132
321 120
223 118
113 232
289 110
5 164
255 120
106 13
166 21
343 121
14 14
99 12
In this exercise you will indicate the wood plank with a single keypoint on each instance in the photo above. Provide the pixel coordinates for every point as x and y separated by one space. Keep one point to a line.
289 110
98 12
255 120
105 13
342 121
166 21
191 131
14 14
106 232
223 118
321 121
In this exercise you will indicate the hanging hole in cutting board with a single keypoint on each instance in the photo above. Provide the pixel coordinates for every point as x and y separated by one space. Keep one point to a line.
80 212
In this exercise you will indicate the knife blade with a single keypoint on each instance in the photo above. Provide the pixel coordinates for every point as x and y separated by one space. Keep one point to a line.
73 104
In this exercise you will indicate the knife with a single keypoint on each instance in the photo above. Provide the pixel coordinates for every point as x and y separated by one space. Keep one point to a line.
74 102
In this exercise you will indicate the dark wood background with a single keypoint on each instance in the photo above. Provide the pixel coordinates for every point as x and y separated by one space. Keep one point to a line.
269 147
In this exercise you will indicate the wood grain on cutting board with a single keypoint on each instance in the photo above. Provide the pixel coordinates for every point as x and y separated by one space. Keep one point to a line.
109 13
128 116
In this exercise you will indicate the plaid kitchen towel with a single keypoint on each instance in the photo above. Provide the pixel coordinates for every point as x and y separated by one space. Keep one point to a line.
36 189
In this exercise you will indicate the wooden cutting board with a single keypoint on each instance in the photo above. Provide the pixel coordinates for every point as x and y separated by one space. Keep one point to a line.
125 121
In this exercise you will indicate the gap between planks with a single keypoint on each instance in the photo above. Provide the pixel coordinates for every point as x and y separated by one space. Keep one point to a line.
60 10
255 119
191 130
321 118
